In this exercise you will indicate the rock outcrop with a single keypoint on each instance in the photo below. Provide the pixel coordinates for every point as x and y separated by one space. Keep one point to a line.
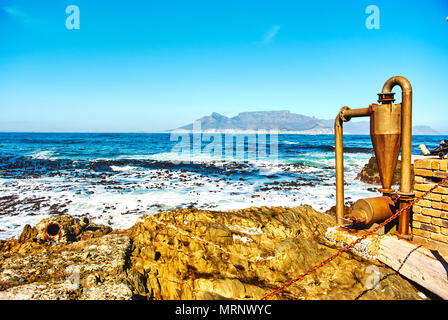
190 254
65 258
369 173
244 254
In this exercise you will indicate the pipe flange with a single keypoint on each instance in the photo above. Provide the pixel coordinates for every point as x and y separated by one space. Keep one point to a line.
386 97
406 195
386 191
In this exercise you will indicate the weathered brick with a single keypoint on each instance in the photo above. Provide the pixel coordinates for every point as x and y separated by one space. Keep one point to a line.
444 231
431 196
443 215
443 164
431 212
439 237
436 205
439 222
422 218
422 164
442 190
423 172
424 180
434 197
425 203
445 199
416 209
418 194
439 174
426 226
422 186
435 165
421 233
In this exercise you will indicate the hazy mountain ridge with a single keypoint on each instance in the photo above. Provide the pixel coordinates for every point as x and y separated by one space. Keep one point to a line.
283 121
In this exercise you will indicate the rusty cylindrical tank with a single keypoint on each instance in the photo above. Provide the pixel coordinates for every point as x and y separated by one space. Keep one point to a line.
385 133
372 210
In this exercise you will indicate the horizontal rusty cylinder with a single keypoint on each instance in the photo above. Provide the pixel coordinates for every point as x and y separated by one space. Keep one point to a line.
372 210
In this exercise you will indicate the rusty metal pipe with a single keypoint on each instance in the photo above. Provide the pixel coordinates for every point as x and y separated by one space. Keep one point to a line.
344 115
339 158
406 129
347 114
406 147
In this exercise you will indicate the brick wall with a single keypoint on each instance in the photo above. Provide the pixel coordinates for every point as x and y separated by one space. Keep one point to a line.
430 215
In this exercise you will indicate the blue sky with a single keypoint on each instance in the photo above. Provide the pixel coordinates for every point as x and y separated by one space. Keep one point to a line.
155 65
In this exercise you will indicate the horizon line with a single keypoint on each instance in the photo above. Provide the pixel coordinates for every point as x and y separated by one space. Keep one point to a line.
206 132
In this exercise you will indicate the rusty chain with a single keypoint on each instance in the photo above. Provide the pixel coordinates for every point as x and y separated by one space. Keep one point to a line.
352 244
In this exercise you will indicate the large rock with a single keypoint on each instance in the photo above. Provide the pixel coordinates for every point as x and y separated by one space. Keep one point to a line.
369 173
244 254
62 229
190 254
61 265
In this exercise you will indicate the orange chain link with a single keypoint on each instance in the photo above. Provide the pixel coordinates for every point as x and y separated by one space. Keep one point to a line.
354 243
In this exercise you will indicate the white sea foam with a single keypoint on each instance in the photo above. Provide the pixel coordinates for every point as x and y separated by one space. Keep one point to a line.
45 155
131 192
124 168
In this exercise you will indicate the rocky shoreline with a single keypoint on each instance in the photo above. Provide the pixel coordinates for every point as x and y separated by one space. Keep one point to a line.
370 174
190 254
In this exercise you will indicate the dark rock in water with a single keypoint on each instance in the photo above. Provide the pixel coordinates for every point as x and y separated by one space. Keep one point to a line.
191 254
370 174
100 166
332 211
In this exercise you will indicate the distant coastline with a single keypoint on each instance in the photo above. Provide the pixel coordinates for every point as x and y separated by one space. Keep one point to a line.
281 122
229 131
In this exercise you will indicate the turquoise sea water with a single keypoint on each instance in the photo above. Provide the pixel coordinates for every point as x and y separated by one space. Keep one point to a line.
115 178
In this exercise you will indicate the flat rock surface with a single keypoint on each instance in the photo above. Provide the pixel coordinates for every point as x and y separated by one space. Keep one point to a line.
192 254
87 269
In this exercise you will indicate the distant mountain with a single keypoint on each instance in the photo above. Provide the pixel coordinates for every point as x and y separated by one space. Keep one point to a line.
283 121
424 130
262 120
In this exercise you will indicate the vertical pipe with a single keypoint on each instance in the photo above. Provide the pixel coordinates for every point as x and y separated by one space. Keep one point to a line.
406 141
339 156
406 128
406 147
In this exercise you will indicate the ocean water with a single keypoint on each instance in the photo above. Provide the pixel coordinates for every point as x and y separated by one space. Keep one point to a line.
115 178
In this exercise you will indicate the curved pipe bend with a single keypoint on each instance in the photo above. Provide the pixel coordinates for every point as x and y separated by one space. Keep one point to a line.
406 129
404 84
